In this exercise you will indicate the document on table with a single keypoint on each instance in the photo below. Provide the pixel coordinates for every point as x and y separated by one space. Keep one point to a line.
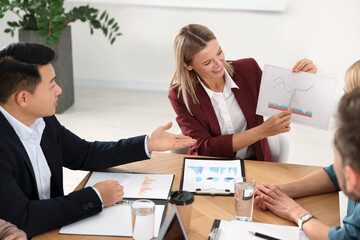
211 176
231 230
308 96
116 220
112 221
137 185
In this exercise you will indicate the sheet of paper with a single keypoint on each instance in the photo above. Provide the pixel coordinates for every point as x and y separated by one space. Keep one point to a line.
224 229
240 228
210 174
112 221
308 96
150 186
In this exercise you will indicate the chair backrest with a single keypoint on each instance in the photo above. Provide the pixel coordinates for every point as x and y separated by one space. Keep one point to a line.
279 147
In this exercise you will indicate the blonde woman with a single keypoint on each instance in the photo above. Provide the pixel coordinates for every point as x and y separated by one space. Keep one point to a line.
352 77
215 100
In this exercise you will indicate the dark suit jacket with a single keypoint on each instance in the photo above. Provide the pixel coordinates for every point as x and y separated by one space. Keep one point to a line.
19 201
203 125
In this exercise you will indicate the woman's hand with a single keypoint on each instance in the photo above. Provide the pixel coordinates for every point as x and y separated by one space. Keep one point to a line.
276 124
279 203
259 197
305 65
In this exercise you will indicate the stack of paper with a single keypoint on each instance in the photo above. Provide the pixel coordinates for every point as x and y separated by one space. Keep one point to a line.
234 230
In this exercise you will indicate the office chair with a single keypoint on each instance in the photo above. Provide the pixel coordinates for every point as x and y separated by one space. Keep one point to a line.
279 147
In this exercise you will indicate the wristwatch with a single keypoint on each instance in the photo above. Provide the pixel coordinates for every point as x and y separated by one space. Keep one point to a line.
304 218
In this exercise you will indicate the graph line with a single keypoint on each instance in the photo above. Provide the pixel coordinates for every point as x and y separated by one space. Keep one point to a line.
292 89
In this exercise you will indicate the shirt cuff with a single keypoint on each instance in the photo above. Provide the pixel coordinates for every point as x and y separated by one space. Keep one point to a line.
146 147
99 195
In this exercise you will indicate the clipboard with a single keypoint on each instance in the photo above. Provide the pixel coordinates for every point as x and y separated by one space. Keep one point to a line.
101 224
223 229
215 230
211 176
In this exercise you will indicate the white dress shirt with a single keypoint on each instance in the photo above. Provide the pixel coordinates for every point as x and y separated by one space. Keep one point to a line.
30 138
228 112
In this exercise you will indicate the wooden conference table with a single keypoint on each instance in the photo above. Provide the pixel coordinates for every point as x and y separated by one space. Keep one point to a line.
207 208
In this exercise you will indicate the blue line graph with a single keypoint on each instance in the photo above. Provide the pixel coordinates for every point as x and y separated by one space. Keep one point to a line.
197 170
214 174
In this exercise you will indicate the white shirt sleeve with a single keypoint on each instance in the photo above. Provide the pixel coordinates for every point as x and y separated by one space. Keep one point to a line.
146 147
99 195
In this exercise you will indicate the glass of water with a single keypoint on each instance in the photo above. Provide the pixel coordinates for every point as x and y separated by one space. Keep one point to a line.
142 212
244 198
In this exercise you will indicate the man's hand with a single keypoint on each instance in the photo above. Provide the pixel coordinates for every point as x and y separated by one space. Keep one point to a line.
111 192
160 140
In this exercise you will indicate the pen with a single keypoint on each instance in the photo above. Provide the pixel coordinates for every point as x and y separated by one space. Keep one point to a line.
291 99
129 202
263 236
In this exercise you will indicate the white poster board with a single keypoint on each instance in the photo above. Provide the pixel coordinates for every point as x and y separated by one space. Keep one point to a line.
308 96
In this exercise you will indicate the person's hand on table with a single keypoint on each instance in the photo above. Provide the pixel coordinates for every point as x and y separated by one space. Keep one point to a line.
160 140
304 65
259 197
111 192
270 197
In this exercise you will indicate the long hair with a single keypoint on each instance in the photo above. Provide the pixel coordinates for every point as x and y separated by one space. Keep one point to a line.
190 40
352 77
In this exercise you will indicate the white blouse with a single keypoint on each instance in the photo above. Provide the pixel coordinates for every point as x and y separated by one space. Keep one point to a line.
228 112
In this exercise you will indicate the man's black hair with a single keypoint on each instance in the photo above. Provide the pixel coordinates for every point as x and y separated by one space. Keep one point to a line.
19 64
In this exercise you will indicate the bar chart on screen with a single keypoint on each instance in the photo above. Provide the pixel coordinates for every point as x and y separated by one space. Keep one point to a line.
308 96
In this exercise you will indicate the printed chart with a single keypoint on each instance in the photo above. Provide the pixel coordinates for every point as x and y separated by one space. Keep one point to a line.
308 96
135 185
211 175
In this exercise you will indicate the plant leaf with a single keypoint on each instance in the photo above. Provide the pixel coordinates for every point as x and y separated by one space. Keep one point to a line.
49 41
102 15
113 40
13 24
111 21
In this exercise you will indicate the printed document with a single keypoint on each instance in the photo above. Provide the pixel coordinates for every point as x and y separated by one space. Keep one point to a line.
308 96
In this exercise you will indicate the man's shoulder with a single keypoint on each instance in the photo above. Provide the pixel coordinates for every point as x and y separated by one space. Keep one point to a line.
52 124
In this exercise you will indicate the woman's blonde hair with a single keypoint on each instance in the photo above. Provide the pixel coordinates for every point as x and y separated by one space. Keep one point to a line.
352 77
190 40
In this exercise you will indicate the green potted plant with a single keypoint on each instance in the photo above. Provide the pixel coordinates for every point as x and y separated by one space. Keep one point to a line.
47 22
48 18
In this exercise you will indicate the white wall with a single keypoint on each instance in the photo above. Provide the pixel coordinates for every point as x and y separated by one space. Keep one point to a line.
326 31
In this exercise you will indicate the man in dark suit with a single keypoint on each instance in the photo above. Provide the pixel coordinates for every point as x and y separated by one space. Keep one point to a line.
34 147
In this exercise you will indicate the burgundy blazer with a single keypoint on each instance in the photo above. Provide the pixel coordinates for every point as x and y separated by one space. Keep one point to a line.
203 125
